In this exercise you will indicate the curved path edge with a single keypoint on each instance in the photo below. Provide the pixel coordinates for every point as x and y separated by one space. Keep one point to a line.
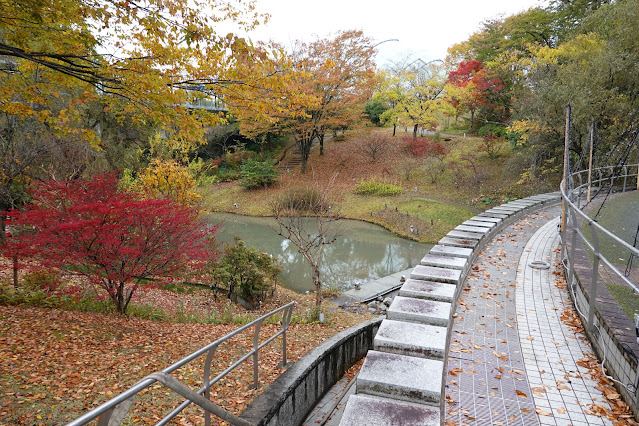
403 376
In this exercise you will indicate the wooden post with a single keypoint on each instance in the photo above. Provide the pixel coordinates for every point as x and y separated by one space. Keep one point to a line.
592 144
566 167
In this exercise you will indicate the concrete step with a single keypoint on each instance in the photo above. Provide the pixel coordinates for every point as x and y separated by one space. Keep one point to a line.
476 229
431 273
540 197
472 222
493 215
458 242
504 210
544 197
419 311
419 289
520 203
487 219
377 411
452 251
402 377
464 234
445 261
406 338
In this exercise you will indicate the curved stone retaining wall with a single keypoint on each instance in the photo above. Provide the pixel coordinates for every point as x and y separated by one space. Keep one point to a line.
291 396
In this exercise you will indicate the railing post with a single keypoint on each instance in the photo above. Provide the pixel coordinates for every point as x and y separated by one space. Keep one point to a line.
206 380
256 344
115 415
595 276
625 177
592 144
566 165
286 320
573 243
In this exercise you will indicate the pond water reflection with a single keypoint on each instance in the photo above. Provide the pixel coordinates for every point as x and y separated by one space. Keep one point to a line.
362 252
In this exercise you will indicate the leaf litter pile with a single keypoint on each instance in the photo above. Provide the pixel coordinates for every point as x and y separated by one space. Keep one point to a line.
56 365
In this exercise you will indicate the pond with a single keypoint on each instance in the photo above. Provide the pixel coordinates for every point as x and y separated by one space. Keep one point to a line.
363 252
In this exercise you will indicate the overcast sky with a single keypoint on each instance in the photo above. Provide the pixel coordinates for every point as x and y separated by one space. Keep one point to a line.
424 28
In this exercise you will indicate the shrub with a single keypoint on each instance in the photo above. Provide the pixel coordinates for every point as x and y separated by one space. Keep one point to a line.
494 129
302 200
41 280
26 296
246 271
374 146
491 145
258 174
228 175
420 147
238 156
375 188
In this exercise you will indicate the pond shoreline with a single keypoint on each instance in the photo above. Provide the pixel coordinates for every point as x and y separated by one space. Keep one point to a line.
364 251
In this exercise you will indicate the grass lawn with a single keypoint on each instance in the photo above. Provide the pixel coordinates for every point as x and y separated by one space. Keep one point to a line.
627 298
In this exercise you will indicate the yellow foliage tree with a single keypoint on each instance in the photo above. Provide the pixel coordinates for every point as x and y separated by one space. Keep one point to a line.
169 179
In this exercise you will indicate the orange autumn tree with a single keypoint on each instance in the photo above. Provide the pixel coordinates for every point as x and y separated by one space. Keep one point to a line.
134 55
321 86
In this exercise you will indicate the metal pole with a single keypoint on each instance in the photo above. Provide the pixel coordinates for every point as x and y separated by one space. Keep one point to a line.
625 178
256 344
286 320
566 167
595 275
206 379
573 245
592 144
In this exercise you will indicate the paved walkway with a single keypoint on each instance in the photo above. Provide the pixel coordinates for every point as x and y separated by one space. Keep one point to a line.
512 361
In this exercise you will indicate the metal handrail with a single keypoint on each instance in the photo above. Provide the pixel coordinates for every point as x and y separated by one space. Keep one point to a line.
573 212
598 227
117 407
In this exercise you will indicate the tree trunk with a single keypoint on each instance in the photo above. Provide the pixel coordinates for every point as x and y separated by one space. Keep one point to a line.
119 301
321 142
394 128
415 131
472 118
15 270
318 287
304 146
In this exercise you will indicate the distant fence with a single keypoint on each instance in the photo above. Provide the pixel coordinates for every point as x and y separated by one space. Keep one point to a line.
590 272
113 411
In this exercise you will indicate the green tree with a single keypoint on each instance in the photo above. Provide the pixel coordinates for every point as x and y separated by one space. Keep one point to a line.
258 174
246 271
374 109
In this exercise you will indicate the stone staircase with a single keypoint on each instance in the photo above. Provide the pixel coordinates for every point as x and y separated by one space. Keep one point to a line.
401 381
294 158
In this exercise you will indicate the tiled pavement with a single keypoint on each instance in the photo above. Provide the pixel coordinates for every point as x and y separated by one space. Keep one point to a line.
511 360
550 349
